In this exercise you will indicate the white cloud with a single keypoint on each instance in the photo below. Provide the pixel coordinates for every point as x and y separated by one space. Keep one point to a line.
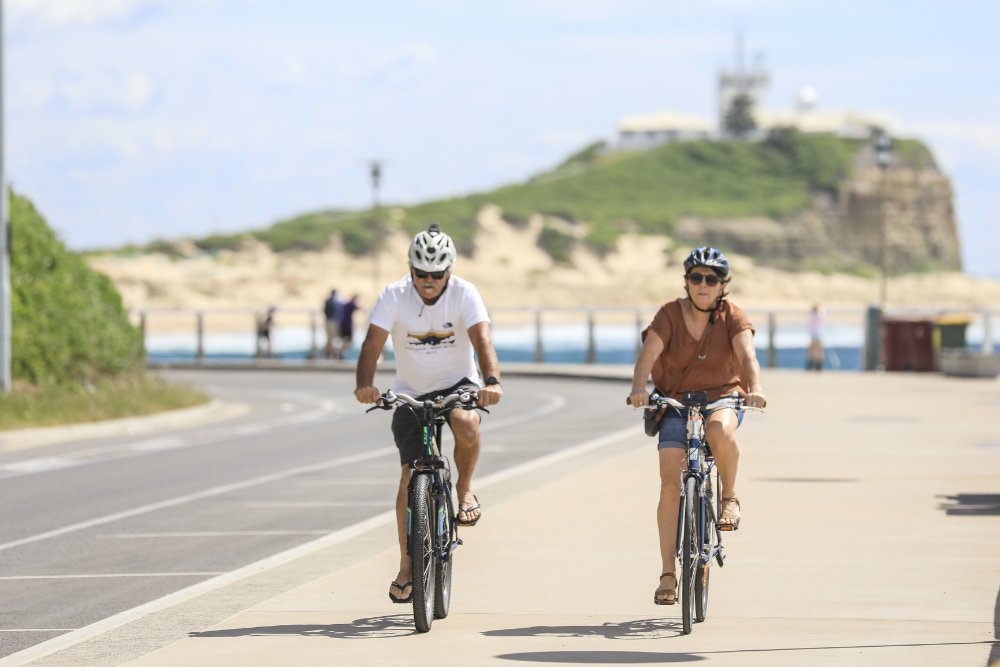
62 13
89 91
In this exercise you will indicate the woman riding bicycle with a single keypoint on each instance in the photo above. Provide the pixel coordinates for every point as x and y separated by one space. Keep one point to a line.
699 343
437 321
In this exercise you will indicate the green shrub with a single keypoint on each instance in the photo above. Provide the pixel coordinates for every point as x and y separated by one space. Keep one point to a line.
557 244
68 323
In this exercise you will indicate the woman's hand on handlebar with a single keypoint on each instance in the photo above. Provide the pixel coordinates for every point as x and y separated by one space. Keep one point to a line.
639 398
368 394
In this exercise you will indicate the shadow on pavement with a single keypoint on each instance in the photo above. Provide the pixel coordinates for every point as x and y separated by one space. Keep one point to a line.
375 627
972 504
652 628
600 657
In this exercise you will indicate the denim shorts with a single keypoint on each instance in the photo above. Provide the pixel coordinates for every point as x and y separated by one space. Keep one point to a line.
673 428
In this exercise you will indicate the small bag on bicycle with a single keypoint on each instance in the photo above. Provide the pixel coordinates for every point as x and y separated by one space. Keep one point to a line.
651 420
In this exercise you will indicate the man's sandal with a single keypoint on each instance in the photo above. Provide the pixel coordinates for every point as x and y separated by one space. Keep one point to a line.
666 594
729 518
401 587
467 510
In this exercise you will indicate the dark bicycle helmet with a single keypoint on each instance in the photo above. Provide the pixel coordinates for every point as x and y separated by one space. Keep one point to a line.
712 258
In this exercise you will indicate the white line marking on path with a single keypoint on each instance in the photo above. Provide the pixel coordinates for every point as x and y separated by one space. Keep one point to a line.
37 629
314 503
386 518
216 533
115 575
323 408
191 497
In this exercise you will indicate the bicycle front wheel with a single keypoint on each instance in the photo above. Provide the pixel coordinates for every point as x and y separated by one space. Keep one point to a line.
689 554
422 554
705 561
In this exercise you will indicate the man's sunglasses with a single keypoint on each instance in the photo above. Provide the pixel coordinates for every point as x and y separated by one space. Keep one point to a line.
710 279
436 275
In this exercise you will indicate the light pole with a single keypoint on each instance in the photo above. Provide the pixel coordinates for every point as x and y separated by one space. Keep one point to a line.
375 168
883 155
5 294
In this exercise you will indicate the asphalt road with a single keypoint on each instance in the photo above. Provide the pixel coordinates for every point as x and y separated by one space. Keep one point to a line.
98 527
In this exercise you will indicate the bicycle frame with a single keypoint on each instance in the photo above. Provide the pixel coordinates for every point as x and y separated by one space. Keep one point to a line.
700 466
433 464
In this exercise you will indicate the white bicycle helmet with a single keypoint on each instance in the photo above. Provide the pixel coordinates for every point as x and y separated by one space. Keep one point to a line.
432 250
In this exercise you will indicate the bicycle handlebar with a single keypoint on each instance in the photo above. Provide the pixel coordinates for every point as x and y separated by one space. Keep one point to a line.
736 402
390 398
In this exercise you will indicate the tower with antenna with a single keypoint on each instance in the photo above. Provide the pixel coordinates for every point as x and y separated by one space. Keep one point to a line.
753 82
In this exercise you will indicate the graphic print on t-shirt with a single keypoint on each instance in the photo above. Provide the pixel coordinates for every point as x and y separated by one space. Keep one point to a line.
431 338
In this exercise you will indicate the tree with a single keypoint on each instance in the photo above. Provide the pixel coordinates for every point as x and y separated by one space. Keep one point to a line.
739 120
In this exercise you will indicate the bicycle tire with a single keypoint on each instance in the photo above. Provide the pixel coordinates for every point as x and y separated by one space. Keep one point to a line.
704 571
422 552
443 566
689 554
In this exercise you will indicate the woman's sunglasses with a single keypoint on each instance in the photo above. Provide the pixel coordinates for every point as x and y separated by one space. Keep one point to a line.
436 275
696 278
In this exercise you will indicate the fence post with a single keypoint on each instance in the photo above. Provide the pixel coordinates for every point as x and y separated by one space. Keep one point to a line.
873 338
313 350
200 327
539 350
772 352
638 332
591 345
987 345
142 331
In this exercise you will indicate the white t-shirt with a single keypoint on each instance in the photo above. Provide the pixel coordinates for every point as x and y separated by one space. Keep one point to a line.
431 343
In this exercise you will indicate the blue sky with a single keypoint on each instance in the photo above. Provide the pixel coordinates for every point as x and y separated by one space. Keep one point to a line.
128 120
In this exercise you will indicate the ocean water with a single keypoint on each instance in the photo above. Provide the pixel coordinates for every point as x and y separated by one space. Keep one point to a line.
560 344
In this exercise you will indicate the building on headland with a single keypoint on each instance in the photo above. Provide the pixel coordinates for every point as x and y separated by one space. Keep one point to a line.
641 132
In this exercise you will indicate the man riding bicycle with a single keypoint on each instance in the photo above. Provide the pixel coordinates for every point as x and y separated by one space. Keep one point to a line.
699 343
437 321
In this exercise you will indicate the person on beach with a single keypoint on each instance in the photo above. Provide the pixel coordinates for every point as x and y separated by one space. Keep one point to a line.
331 314
437 321
701 342
345 322
265 326
814 354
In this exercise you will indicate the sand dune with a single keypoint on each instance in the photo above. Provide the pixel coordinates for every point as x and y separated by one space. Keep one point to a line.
510 271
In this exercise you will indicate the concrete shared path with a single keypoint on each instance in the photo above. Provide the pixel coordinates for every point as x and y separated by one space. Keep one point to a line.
870 536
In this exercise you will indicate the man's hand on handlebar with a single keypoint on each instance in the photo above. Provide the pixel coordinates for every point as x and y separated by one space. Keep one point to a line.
368 394
490 395
755 400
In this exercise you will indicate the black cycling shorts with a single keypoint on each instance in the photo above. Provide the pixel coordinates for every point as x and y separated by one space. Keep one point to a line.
406 427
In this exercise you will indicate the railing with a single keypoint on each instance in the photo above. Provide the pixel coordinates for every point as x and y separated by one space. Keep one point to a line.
537 330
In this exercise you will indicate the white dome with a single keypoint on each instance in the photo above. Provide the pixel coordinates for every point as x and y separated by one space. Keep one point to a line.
807 98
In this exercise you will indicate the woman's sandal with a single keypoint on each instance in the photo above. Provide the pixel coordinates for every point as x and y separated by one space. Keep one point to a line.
401 587
729 518
665 595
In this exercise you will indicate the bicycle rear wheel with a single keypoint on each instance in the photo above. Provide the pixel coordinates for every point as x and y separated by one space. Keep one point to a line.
689 554
422 554
442 570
